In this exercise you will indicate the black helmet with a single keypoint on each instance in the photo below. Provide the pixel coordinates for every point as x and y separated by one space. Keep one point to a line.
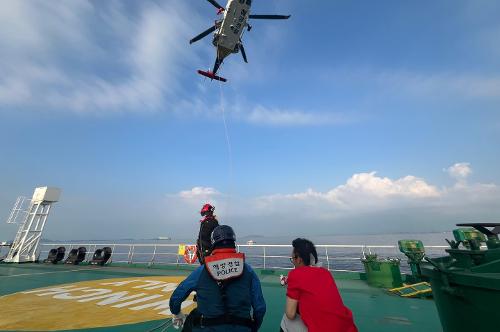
222 233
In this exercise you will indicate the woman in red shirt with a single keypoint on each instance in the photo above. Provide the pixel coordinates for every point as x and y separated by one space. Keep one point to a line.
312 292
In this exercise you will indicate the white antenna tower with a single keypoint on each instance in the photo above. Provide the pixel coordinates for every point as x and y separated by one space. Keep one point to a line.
25 245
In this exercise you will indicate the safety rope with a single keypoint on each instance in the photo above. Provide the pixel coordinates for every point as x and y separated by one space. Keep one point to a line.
166 324
229 149
228 142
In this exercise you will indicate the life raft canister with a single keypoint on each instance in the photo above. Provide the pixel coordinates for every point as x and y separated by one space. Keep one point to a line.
190 254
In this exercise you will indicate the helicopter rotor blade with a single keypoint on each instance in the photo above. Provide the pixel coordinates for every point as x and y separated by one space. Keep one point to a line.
270 17
215 4
203 34
243 54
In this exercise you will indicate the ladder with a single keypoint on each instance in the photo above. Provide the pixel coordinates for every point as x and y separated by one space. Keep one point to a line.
18 207
25 245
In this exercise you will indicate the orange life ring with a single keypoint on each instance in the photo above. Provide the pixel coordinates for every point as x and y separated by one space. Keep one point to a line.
190 254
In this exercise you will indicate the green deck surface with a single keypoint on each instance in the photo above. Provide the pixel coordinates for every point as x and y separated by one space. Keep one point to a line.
374 309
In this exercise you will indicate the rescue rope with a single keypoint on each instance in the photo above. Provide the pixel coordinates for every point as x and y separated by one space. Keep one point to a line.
228 142
229 149
165 324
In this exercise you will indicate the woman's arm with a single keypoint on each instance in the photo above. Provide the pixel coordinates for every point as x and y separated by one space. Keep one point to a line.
291 308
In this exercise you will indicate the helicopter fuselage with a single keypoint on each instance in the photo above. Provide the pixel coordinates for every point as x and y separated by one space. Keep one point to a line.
228 35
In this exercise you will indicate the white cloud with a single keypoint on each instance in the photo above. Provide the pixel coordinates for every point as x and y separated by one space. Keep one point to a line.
365 201
135 56
363 191
33 30
460 85
444 84
242 111
459 171
198 193
182 208
370 184
365 196
108 57
278 117
385 83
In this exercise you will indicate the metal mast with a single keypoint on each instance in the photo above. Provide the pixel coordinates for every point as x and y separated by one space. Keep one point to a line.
25 245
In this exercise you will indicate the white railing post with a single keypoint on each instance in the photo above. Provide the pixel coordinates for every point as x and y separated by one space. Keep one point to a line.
112 253
131 254
153 258
264 247
91 253
327 258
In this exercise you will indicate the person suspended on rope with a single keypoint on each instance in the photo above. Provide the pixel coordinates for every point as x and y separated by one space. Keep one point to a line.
229 292
208 222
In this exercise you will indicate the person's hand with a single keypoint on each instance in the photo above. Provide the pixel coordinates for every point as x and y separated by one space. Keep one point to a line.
283 280
178 320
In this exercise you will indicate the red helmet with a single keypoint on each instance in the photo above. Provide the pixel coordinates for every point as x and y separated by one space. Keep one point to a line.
207 209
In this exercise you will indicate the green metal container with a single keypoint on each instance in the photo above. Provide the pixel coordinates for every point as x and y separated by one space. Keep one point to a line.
466 284
383 273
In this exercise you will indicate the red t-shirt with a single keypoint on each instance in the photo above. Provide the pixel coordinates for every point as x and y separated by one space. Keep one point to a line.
320 305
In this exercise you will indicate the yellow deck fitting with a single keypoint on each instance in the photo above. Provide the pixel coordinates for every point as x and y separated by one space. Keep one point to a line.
413 290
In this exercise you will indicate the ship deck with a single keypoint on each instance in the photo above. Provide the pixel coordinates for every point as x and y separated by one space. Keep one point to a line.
373 308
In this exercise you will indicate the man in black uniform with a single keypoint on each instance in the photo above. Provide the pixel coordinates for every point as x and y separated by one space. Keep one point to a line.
229 292
207 225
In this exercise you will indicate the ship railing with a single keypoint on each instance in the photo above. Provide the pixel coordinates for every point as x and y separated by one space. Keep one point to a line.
334 257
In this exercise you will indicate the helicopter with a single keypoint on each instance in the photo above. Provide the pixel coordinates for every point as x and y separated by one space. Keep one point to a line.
228 31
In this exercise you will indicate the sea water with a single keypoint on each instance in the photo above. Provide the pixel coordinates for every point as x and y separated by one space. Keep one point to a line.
150 251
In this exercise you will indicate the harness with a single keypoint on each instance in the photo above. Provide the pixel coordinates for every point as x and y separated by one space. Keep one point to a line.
223 267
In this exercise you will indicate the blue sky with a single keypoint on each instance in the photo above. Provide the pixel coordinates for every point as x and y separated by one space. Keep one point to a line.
375 115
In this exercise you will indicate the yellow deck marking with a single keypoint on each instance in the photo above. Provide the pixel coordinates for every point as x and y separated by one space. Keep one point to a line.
90 304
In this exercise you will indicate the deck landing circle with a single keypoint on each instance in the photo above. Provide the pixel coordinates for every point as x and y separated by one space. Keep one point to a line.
90 304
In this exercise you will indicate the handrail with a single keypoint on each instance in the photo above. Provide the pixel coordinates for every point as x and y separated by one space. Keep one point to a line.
239 245
335 257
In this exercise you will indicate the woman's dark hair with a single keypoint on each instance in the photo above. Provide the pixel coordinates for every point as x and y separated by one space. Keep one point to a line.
304 249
